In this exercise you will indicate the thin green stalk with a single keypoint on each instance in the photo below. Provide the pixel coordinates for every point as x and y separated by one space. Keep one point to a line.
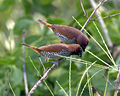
84 62
34 66
62 88
106 84
90 88
89 80
12 89
48 88
100 60
42 64
83 78
89 85
105 44
74 59
70 76
40 76
93 39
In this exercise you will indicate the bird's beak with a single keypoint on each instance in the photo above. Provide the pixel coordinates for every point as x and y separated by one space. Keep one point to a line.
83 48
45 23
34 48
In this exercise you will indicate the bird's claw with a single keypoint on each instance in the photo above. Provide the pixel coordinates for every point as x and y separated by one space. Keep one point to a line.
54 62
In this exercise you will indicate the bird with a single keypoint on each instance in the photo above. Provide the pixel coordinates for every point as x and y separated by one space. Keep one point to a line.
53 50
68 34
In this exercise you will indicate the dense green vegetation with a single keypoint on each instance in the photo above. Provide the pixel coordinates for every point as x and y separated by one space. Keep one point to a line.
19 15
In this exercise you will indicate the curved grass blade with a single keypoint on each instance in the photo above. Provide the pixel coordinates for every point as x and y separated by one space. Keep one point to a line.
12 89
88 62
94 40
105 44
62 88
106 84
88 81
83 78
100 60
41 76
89 85
70 76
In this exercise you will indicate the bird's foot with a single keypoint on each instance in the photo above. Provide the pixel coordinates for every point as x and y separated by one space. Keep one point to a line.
54 62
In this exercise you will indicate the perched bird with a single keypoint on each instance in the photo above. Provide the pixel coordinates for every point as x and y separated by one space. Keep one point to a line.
68 34
53 50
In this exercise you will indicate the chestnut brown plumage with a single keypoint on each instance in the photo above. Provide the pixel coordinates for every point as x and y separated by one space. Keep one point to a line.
51 51
68 34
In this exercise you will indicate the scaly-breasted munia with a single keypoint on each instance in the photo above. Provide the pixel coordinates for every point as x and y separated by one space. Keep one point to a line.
68 34
51 51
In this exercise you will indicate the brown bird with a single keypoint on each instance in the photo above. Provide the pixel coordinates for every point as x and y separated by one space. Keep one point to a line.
68 34
53 50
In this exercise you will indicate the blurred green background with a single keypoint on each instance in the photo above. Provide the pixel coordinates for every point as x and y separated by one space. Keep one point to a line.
19 15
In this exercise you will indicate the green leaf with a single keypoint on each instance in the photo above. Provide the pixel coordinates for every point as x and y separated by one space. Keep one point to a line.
8 60
45 2
43 9
6 4
27 5
16 77
55 21
118 59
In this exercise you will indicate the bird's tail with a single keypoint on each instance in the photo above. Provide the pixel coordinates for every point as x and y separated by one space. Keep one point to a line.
34 48
45 23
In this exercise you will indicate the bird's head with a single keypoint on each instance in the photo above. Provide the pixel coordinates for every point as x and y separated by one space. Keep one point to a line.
83 41
75 49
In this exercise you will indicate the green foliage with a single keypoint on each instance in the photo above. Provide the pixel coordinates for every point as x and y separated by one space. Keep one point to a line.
45 7
27 6
21 24
19 15
6 4
17 77
55 21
